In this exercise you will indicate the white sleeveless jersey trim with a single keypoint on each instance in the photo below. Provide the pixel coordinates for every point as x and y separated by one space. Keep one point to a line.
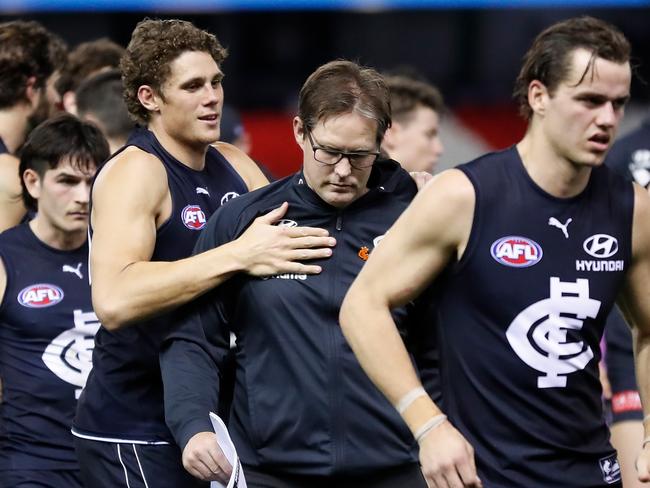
117 440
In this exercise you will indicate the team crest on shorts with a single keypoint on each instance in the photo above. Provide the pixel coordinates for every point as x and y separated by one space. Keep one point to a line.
611 469
516 251
193 217
40 296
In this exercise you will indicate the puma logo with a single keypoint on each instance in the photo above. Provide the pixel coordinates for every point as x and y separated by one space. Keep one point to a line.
69 269
553 222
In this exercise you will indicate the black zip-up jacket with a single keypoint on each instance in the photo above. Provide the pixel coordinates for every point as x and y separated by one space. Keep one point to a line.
302 404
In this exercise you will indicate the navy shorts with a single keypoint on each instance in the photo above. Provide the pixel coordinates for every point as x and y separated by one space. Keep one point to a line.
122 465
40 479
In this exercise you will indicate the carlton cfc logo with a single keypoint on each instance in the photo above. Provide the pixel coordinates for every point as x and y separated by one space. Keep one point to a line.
516 251
40 296
193 217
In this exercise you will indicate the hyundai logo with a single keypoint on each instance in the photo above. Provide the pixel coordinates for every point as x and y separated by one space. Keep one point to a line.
601 246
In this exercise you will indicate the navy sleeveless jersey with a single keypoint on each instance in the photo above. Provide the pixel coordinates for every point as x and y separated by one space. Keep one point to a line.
522 314
3 148
123 399
46 337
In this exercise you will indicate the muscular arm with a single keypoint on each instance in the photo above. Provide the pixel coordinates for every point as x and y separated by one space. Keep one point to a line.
634 302
129 201
245 166
430 233
12 209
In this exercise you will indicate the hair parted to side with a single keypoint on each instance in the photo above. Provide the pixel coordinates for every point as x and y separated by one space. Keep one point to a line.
87 59
61 137
154 45
549 58
24 52
407 94
341 87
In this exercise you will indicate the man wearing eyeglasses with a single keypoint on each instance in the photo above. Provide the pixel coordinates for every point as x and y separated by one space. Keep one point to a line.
304 414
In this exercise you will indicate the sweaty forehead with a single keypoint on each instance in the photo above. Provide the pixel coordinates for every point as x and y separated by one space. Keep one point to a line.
586 71
75 166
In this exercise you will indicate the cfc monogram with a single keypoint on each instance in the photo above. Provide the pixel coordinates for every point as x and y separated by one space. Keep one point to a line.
538 335
69 355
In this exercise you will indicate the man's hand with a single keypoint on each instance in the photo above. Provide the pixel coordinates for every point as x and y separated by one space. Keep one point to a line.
447 459
643 464
203 458
269 249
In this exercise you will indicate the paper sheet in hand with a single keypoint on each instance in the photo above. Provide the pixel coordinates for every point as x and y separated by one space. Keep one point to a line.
237 479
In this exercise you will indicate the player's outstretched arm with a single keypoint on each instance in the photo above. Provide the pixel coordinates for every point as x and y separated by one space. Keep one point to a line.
634 302
128 201
11 203
430 233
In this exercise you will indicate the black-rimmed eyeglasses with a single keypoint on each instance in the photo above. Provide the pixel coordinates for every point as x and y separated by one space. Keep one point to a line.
331 156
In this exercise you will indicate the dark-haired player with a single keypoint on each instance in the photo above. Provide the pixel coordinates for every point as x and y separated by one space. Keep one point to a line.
539 241
47 323
28 55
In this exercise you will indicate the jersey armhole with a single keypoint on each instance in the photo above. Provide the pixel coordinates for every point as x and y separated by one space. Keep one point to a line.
472 240
8 281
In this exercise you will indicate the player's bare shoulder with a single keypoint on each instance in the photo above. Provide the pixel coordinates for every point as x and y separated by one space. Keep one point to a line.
133 173
640 228
448 200
243 164
9 179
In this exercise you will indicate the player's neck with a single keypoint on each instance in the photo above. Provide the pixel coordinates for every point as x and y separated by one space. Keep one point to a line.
57 238
13 125
553 173
191 156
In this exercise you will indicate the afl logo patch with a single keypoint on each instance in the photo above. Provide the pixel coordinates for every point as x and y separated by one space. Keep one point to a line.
40 296
516 251
193 217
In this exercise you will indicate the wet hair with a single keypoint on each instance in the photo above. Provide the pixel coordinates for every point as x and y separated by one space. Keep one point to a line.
87 59
101 96
154 45
549 58
341 87
407 94
63 137
24 52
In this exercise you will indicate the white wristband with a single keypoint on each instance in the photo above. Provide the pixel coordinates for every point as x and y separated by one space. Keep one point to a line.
429 425
406 401
646 418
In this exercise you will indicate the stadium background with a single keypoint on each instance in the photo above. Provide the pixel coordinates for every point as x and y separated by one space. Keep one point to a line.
471 49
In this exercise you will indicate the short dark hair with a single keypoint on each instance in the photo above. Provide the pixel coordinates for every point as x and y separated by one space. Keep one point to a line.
154 45
407 94
549 58
24 52
101 96
341 87
62 136
86 59
58 53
